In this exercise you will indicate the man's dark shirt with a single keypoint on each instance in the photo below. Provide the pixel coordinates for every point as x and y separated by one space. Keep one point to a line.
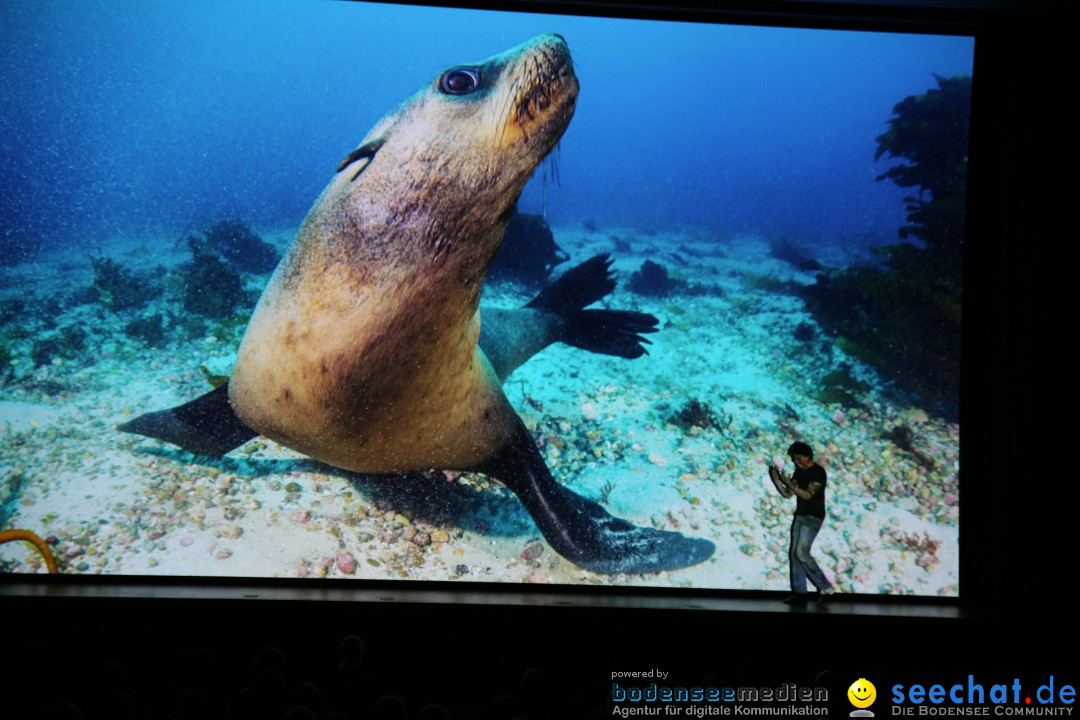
815 506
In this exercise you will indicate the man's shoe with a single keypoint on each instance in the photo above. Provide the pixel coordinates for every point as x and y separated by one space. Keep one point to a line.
796 600
826 596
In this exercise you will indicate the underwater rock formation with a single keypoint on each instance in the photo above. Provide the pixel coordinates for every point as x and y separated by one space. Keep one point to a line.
528 252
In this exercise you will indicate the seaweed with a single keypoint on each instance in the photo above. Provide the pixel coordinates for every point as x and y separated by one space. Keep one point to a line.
150 330
605 492
788 413
697 414
837 396
805 332
239 246
841 388
931 132
211 288
653 280
215 380
903 316
66 343
231 328
119 288
912 542
904 324
528 252
192 326
902 437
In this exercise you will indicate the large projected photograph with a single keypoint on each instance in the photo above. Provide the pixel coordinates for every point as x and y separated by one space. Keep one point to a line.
353 291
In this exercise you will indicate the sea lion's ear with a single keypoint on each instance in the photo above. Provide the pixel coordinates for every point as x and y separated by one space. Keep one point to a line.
367 150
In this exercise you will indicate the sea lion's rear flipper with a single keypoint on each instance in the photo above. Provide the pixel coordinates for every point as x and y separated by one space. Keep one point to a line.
610 332
205 426
581 530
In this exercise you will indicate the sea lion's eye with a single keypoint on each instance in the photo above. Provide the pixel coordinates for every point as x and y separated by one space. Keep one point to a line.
460 81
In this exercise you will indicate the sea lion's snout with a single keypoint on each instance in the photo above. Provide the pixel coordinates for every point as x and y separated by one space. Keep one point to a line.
545 88
528 93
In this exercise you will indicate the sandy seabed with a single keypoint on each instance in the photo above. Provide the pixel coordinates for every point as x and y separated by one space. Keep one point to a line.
120 504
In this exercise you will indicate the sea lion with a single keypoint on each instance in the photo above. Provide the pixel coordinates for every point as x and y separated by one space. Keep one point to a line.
363 351
208 425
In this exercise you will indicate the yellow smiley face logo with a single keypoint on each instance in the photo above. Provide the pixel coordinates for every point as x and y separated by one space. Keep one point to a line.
862 693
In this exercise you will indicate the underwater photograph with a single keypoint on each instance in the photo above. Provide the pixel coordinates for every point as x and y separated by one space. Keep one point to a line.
336 290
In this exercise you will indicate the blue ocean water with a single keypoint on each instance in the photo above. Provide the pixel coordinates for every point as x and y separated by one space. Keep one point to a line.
127 116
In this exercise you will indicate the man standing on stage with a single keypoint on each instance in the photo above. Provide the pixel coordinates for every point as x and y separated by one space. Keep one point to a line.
808 486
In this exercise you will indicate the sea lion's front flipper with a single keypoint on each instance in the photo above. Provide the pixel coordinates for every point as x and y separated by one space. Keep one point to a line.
609 332
581 530
205 426
510 337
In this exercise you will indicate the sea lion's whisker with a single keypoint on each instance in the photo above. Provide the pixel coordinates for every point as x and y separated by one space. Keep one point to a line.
552 160
507 106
